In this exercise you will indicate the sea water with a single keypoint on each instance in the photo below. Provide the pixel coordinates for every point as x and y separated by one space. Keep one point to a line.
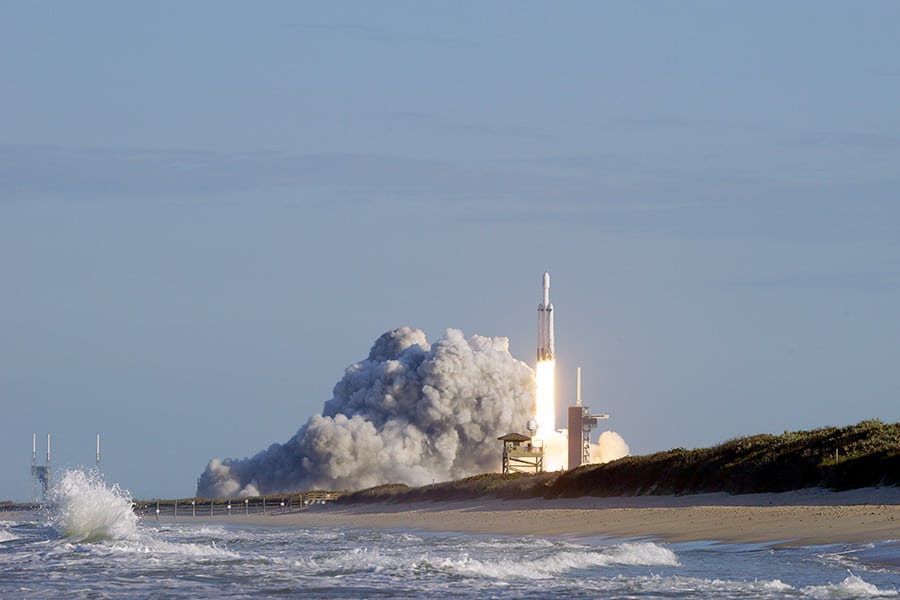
91 546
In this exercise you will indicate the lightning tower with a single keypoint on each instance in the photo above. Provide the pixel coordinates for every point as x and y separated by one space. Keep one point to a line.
41 473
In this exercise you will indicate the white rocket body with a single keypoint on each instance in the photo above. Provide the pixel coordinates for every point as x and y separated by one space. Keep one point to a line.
545 349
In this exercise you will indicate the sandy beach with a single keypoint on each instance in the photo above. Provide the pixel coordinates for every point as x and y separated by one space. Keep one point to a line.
803 517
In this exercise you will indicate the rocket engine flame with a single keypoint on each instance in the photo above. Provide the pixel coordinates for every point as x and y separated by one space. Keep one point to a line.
545 405
553 442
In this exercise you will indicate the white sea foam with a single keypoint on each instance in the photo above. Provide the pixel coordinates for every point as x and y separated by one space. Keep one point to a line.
189 559
86 509
551 564
149 545
517 562
210 530
6 535
642 553
775 585
678 586
852 586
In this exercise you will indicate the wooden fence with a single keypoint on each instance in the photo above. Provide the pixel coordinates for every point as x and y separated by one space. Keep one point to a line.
225 507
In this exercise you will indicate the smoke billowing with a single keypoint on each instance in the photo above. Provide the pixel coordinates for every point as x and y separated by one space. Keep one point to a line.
610 446
411 413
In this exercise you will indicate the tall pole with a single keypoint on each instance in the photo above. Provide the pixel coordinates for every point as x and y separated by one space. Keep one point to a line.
34 481
48 461
578 386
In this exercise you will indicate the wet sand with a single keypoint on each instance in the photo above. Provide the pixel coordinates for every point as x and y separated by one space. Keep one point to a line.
804 517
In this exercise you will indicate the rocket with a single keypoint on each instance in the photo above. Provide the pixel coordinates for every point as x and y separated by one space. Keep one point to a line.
545 350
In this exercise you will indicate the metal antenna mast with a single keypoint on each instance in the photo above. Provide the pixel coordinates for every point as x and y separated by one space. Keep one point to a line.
41 474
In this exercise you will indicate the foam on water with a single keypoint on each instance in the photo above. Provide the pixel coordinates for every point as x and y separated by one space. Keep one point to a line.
516 562
851 587
678 586
86 509
550 564
6 535
191 558
681 586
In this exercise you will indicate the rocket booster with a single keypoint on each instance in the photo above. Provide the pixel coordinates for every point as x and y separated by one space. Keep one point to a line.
545 349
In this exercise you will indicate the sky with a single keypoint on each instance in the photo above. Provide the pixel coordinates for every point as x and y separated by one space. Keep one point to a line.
208 210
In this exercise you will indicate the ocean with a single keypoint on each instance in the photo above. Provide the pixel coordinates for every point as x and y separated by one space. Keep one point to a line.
90 545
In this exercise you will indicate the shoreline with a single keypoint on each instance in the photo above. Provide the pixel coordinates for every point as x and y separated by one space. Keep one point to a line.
805 517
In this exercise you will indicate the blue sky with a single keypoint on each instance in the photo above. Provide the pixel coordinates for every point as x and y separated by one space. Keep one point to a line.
208 210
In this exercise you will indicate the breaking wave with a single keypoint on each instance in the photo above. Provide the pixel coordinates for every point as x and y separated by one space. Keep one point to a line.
852 586
6 535
86 509
548 566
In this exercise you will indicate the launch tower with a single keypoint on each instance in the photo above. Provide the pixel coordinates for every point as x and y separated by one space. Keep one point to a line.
581 422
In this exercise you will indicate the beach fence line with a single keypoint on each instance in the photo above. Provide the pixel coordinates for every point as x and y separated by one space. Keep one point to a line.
226 507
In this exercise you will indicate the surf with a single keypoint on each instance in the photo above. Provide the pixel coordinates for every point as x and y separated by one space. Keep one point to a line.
84 508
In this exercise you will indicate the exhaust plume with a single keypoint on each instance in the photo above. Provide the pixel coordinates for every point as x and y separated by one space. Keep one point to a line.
610 446
410 413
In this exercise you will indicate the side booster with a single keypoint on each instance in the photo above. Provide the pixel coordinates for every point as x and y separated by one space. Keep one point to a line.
545 349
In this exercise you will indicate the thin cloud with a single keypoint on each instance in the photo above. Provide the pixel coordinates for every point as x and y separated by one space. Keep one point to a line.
868 281
362 30
497 130
28 171
849 139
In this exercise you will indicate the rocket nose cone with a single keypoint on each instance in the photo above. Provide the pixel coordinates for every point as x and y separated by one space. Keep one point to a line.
546 279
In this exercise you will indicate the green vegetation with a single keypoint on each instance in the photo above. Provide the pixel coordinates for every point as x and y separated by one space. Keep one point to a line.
488 485
862 455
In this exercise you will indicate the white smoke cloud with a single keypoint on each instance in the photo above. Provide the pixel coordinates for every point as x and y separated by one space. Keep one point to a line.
409 413
610 446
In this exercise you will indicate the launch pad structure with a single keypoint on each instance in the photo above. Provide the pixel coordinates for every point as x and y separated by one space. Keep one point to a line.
581 423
